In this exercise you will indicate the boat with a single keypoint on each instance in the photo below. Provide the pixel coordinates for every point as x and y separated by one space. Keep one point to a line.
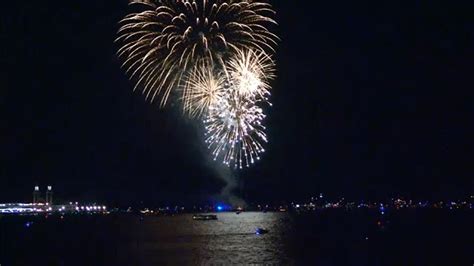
204 217
261 231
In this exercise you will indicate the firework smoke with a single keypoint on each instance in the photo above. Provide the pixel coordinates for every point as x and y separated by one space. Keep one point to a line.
227 193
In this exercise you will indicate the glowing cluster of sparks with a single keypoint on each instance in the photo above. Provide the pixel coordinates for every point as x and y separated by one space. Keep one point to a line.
234 118
215 53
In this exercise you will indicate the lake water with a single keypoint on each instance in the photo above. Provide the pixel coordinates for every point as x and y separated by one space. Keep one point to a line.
337 237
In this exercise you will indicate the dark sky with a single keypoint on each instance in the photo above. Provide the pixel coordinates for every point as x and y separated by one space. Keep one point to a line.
372 100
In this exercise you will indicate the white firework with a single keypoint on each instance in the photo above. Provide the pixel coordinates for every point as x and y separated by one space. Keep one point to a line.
234 123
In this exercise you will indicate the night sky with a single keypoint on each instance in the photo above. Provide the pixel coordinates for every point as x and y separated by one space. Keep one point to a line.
372 100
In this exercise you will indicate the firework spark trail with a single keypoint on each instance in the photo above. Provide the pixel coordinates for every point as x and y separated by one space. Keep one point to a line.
160 45
204 89
234 122
235 131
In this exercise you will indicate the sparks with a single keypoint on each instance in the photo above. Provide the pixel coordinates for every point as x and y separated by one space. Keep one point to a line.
161 45
216 54
234 122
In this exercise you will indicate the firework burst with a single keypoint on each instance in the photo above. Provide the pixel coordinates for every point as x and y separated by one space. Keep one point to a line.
247 72
250 71
234 123
161 45
205 89
234 129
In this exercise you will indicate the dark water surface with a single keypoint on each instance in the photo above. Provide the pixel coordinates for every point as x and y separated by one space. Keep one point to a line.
419 237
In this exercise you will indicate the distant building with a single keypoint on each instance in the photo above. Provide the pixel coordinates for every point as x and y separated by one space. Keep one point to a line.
49 195
36 195
45 205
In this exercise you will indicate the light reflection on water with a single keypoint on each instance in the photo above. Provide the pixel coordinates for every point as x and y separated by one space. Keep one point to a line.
330 237
229 240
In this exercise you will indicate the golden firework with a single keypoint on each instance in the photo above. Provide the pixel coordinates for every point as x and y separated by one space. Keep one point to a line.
162 44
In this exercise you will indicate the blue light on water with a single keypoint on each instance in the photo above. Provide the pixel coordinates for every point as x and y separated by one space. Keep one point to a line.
382 210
